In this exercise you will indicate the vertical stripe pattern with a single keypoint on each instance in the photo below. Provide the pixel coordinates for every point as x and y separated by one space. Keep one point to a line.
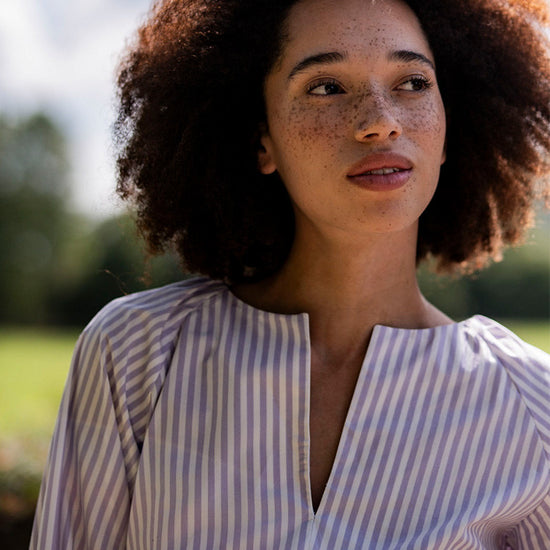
185 424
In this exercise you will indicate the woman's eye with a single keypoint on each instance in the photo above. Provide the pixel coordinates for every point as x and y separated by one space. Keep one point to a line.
325 88
415 84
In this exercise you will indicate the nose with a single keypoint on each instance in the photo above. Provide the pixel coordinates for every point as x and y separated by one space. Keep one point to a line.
378 120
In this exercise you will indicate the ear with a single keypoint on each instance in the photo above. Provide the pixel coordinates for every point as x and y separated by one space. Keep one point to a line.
266 162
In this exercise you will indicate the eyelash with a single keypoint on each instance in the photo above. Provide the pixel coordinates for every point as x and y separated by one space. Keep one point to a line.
425 84
328 82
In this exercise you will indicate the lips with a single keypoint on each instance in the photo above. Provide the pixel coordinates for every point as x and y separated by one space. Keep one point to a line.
380 162
381 171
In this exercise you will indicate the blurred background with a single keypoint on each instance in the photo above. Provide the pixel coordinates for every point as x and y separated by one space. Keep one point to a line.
67 247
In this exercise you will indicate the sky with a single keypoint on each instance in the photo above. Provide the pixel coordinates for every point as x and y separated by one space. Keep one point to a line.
60 57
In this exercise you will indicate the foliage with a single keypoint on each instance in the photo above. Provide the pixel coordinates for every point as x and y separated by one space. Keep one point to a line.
33 187
106 263
57 267
516 288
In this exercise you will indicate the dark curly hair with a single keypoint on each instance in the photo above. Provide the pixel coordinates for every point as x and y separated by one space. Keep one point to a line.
191 105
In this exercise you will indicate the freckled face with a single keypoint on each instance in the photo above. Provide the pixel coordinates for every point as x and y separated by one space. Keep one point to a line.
355 92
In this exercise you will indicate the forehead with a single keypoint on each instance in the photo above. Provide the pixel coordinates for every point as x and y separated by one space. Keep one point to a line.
364 26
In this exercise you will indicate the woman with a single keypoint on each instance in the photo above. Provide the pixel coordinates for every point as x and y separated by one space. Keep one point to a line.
306 395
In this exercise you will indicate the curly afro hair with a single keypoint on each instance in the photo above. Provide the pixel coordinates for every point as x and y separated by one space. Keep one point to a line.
191 105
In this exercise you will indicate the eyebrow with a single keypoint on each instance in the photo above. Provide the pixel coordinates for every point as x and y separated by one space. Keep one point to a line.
406 56
318 59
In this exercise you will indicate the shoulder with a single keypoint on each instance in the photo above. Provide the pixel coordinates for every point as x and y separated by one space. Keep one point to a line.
527 367
129 346
500 343
154 308
139 331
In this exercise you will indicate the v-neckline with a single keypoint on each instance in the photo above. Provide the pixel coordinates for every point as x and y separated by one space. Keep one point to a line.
316 511
379 331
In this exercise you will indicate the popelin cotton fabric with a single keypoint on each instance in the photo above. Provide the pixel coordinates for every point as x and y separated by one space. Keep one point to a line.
185 425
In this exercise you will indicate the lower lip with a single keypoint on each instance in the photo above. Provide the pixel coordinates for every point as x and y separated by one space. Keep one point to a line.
382 182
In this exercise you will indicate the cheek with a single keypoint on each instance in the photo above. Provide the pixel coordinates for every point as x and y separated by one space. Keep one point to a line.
308 128
306 140
428 123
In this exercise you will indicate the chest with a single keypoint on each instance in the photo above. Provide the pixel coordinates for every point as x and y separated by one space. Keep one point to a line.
248 449
331 393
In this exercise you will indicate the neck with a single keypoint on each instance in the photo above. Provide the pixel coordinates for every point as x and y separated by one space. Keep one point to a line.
348 287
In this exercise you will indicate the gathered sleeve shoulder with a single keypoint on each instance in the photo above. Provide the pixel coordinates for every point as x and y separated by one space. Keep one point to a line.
117 372
529 371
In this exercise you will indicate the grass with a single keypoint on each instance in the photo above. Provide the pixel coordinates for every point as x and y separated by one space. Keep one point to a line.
34 366
33 369
536 333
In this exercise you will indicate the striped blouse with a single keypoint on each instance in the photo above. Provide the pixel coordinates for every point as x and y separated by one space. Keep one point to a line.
184 425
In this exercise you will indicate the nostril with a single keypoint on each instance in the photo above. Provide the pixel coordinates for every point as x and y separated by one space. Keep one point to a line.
381 125
371 135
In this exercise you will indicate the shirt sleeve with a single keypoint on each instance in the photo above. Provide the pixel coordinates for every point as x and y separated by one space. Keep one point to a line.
85 495
533 533
529 370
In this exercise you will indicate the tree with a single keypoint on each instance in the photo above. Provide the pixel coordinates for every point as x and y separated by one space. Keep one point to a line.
33 191
107 262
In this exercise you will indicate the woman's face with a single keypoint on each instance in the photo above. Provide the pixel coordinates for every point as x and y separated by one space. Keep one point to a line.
355 120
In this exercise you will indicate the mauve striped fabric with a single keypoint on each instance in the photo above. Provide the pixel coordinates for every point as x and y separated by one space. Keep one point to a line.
185 424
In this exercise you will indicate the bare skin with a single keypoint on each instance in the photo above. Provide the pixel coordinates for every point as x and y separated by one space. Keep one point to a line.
343 309
352 264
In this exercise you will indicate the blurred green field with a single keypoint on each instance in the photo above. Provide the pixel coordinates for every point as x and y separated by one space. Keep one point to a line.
33 369
536 333
34 365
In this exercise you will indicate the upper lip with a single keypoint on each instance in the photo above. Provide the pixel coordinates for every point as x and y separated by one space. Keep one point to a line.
378 161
